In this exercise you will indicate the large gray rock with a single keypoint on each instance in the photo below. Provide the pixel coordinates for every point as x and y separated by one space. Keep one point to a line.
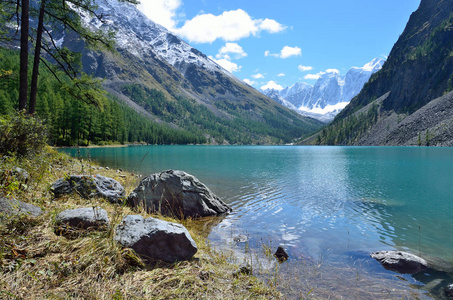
89 186
176 194
401 262
156 239
83 218
16 207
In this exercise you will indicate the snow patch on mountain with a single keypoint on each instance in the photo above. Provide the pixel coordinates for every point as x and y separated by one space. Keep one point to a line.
141 37
330 94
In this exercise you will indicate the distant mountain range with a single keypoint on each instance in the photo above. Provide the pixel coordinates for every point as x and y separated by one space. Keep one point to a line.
166 79
410 100
331 93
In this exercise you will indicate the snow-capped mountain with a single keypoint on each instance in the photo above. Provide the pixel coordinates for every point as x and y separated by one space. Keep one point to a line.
140 36
330 94
161 76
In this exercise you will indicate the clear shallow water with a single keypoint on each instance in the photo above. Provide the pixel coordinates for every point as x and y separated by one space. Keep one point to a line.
333 205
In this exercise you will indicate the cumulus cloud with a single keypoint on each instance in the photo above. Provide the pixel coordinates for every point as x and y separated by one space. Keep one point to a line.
230 26
272 85
231 48
249 82
286 52
227 64
271 26
258 76
304 68
163 12
281 75
290 51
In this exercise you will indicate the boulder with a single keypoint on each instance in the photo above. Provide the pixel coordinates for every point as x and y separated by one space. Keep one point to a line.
401 262
16 207
154 239
89 186
83 218
176 194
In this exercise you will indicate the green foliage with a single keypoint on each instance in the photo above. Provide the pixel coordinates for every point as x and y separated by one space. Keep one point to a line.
71 121
348 130
241 126
21 135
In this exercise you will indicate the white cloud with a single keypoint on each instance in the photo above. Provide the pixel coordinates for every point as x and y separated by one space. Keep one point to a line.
281 75
258 76
333 71
290 51
163 12
286 52
230 26
227 65
304 68
232 48
249 82
271 26
272 85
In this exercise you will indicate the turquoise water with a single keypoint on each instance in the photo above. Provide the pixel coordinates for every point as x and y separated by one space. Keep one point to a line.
329 204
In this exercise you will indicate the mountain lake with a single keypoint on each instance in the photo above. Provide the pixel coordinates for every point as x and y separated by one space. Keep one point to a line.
330 207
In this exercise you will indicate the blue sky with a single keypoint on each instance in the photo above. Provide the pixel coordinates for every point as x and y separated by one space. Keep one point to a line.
278 43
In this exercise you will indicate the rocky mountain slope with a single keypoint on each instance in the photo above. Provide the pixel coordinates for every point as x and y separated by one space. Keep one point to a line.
168 80
331 93
409 101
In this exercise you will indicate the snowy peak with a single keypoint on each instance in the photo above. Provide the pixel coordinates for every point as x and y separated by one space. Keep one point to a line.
330 94
141 37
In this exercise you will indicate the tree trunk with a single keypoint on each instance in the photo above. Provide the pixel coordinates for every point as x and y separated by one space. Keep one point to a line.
35 73
23 81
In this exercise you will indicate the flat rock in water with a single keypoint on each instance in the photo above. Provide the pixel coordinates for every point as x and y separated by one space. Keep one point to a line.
176 194
83 218
401 262
16 207
156 239
89 186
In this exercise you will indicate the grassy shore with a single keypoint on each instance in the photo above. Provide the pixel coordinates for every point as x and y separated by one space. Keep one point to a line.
35 263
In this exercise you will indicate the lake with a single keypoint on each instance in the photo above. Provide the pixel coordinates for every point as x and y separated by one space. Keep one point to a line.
329 206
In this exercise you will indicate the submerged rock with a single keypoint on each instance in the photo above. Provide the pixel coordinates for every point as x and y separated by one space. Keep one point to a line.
16 207
401 262
281 254
89 186
156 239
449 291
176 194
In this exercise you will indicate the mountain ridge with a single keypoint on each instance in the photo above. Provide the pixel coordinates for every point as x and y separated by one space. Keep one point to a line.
418 71
152 58
330 94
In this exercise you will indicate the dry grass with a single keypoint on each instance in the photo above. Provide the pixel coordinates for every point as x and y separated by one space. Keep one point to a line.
37 264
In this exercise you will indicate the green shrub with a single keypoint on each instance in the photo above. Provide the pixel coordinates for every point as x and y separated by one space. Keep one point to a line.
21 135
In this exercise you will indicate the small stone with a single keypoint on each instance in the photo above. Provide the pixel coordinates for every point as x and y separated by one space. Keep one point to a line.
240 239
281 254
244 269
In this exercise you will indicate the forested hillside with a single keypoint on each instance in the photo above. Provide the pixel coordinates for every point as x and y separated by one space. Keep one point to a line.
72 121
